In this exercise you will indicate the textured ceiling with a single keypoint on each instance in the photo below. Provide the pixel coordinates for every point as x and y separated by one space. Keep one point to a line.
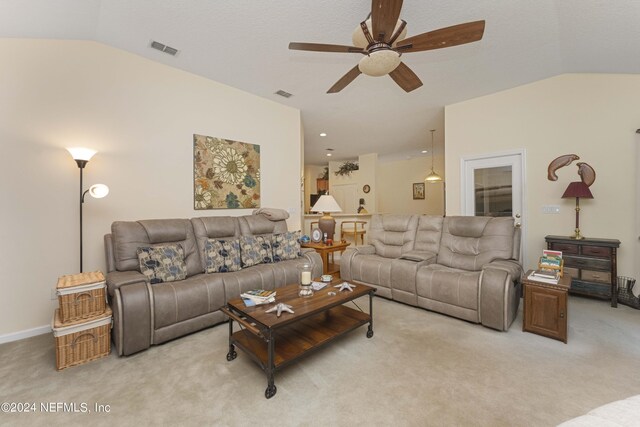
243 43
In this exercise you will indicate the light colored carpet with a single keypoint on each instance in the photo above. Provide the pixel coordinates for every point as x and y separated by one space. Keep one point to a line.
420 368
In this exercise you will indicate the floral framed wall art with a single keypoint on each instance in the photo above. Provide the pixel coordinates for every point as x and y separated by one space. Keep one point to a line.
226 174
418 190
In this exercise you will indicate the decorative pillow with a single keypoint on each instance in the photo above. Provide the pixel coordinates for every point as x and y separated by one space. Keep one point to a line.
255 250
162 263
286 246
222 256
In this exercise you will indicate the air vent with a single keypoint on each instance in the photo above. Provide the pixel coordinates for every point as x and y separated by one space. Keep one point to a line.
283 93
164 48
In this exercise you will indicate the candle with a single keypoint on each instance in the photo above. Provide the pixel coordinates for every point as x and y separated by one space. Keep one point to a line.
305 278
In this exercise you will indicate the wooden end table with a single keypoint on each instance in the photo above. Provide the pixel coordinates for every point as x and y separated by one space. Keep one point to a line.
324 251
545 307
274 342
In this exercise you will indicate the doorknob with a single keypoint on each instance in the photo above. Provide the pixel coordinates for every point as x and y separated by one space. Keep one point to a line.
517 215
518 225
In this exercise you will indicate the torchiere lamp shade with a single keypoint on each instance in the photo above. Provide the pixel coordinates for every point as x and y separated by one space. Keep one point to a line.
327 204
578 190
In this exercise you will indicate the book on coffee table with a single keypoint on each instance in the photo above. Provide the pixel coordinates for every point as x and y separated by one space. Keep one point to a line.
257 297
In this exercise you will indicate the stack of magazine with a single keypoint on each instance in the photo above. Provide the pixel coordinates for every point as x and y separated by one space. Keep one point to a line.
551 259
549 269
257 297
545 275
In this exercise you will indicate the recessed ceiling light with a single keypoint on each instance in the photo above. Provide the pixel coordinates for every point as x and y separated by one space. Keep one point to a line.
323 134
329 154
424 151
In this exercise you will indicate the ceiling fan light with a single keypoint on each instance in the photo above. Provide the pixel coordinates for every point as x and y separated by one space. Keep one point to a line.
379 63
360 40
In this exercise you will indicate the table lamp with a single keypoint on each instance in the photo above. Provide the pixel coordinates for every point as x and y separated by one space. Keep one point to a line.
578 190
327 204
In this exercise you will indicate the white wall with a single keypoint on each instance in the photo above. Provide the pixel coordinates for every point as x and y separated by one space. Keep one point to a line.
311 175
592 115
395 181
367 174
140 116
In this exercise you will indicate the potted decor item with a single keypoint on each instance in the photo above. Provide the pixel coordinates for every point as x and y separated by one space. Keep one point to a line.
346 168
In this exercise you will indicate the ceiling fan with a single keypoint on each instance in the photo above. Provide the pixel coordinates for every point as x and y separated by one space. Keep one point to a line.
381 38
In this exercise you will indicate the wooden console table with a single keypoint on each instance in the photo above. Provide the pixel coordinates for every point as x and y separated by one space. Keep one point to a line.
591 264
324 251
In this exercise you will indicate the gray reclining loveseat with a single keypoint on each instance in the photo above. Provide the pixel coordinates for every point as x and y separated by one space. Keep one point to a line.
467 267
146 313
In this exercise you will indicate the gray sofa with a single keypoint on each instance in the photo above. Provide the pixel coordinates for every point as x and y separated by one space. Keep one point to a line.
146 314
466 267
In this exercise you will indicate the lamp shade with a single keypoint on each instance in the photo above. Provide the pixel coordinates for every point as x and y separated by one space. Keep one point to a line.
326 203
577 189
80 153
98 191
433 177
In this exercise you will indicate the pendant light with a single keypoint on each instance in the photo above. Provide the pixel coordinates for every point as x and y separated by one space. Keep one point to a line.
433 176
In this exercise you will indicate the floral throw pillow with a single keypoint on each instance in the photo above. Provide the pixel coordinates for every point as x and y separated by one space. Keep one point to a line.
162 263
255 250
286 246
222 256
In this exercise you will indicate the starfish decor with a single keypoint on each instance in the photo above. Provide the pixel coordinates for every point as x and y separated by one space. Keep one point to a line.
279 308
345 286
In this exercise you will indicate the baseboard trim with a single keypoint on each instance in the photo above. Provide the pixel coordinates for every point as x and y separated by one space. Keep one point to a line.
27 333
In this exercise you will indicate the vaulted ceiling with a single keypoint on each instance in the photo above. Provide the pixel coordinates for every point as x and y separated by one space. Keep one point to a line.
243 43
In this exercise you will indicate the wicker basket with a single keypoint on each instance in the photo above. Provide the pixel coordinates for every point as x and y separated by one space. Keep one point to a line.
81 341
625 292
81 296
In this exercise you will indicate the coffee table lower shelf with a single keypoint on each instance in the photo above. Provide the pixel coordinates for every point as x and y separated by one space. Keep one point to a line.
297 339
273 348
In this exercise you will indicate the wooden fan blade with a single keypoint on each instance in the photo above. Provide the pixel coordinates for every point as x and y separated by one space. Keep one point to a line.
319 47
444 37
405 78
384 17
345 80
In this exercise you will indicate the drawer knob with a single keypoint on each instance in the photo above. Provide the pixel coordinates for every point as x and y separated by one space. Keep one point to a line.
561 315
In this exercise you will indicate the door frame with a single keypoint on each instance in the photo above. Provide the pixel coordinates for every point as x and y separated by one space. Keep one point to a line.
522 153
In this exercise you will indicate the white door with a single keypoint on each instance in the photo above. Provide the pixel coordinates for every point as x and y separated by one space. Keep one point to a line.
493 185
637 248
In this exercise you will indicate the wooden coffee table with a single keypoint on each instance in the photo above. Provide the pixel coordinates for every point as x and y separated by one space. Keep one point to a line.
274 342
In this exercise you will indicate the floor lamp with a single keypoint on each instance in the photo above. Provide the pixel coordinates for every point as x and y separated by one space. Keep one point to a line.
98 191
